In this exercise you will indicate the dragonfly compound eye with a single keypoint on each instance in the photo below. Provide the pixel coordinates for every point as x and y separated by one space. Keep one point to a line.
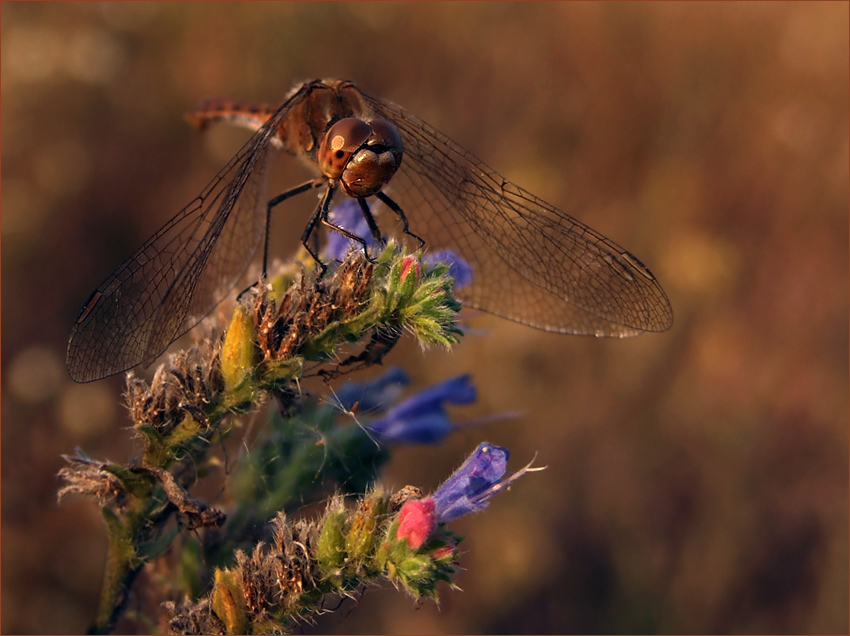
340 142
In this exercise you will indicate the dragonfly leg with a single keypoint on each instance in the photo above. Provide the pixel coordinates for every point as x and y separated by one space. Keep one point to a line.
395 207
322 216
309 185
370 221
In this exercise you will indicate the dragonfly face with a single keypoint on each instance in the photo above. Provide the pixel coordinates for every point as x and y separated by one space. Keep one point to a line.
362 156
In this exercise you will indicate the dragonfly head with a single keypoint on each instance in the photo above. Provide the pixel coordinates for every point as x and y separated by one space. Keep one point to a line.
362 156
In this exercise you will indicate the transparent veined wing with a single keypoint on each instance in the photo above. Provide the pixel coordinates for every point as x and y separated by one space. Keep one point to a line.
182 272
532 263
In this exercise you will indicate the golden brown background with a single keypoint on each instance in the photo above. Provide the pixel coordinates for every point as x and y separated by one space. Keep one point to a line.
697 480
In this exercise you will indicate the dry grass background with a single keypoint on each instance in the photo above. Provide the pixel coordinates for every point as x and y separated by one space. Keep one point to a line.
698 479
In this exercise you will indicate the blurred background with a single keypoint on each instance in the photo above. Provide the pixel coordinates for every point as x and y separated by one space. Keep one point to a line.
697 480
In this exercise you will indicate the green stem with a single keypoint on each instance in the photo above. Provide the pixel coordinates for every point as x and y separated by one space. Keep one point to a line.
122 567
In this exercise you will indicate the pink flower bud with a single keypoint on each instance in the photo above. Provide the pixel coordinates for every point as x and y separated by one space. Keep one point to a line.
416 522
446 551
410 262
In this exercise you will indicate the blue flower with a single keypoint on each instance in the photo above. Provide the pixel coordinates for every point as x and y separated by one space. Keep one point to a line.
467 490
349 216
459 269
474 483
373 395
422 418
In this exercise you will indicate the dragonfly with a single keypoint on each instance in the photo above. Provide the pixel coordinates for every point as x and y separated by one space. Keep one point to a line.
531 263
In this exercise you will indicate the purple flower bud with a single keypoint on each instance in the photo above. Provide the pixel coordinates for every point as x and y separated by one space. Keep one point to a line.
475 482
349 216
459 269
422 417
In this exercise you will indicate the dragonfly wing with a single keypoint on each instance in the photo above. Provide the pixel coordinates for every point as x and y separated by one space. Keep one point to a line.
176 278
531 262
